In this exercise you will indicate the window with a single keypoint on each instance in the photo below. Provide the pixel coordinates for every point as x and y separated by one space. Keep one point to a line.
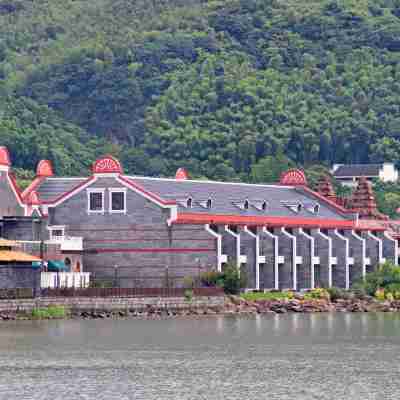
209 203
57 233
246 205
96 201
189 202
117 200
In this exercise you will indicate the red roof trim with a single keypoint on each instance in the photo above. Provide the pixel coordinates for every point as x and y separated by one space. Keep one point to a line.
16 188
328 201
66 194
152 195
192 218
33 186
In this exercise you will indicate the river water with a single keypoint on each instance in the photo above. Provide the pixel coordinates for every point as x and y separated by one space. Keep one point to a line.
296 356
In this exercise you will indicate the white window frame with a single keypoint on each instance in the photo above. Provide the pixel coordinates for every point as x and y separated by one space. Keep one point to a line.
89 192
56 228
110 192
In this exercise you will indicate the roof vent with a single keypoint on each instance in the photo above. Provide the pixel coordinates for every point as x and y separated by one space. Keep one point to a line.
260 205
293 177
107 165
205 203
293 206
44 169
181 174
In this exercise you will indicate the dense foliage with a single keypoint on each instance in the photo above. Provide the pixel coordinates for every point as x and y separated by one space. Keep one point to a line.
385 282
234 89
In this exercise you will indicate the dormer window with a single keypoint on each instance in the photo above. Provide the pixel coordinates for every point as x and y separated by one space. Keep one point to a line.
242 204
205 203
296 207
260 205
312 208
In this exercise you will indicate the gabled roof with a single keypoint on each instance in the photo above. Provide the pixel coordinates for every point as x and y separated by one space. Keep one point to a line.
225 195
357 170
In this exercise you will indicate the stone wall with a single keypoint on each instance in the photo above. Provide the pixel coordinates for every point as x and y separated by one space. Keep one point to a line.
139 243
110 304
19 277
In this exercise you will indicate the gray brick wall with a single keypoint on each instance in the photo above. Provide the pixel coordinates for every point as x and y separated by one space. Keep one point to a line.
285 248
248 248
8 205
22 276
372 251
357 252
340 251
140 243
304 269
323 251
388 247
267 270
228 246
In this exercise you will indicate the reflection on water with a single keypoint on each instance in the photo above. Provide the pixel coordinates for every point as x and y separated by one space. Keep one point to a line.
296 356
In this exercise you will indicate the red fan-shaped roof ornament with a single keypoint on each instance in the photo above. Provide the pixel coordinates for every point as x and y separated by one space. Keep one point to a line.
44 169
181 174
293 177
4 157
107 165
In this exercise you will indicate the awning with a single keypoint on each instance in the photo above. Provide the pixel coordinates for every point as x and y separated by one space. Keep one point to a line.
56 266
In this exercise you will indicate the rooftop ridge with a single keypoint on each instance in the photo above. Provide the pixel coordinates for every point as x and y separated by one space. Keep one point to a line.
210 181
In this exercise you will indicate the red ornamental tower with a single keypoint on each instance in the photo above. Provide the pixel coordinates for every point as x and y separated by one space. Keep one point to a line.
363 201
325 188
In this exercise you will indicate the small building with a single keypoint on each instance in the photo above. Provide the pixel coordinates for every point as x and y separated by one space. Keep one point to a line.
18 269
349 174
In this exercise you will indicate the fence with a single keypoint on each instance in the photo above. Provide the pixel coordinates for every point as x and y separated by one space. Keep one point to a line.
54 280
130 292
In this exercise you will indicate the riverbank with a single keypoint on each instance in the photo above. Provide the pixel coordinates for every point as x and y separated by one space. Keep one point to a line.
159 308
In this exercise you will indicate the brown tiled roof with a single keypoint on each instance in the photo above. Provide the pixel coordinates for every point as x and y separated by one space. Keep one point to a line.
357 170
17 256
8 243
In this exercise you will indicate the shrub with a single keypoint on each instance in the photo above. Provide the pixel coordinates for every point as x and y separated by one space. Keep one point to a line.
49 312
387 277
318 293
335 293
212 278
233 279
188 294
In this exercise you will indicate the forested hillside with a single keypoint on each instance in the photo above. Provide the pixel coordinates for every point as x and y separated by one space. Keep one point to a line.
227 88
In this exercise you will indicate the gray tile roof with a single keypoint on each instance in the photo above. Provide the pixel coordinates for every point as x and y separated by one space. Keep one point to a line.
52 188
224 196
357 170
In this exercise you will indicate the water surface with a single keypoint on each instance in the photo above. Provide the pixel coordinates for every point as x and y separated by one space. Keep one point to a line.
326 356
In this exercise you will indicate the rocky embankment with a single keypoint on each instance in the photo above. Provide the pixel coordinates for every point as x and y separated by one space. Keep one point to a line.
236 304
233 305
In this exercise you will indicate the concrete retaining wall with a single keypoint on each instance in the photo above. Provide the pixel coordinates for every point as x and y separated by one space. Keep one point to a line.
110 304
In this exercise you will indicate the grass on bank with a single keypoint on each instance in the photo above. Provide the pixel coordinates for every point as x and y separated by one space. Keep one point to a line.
51 312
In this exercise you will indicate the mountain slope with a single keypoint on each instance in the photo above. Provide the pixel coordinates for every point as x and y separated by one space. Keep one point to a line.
217 86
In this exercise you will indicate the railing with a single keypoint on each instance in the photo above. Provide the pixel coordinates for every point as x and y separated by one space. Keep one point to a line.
130 292
54 280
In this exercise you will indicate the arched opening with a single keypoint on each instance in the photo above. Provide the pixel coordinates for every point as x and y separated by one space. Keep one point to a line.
67 263
78 267
189 202
246 205
209 203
